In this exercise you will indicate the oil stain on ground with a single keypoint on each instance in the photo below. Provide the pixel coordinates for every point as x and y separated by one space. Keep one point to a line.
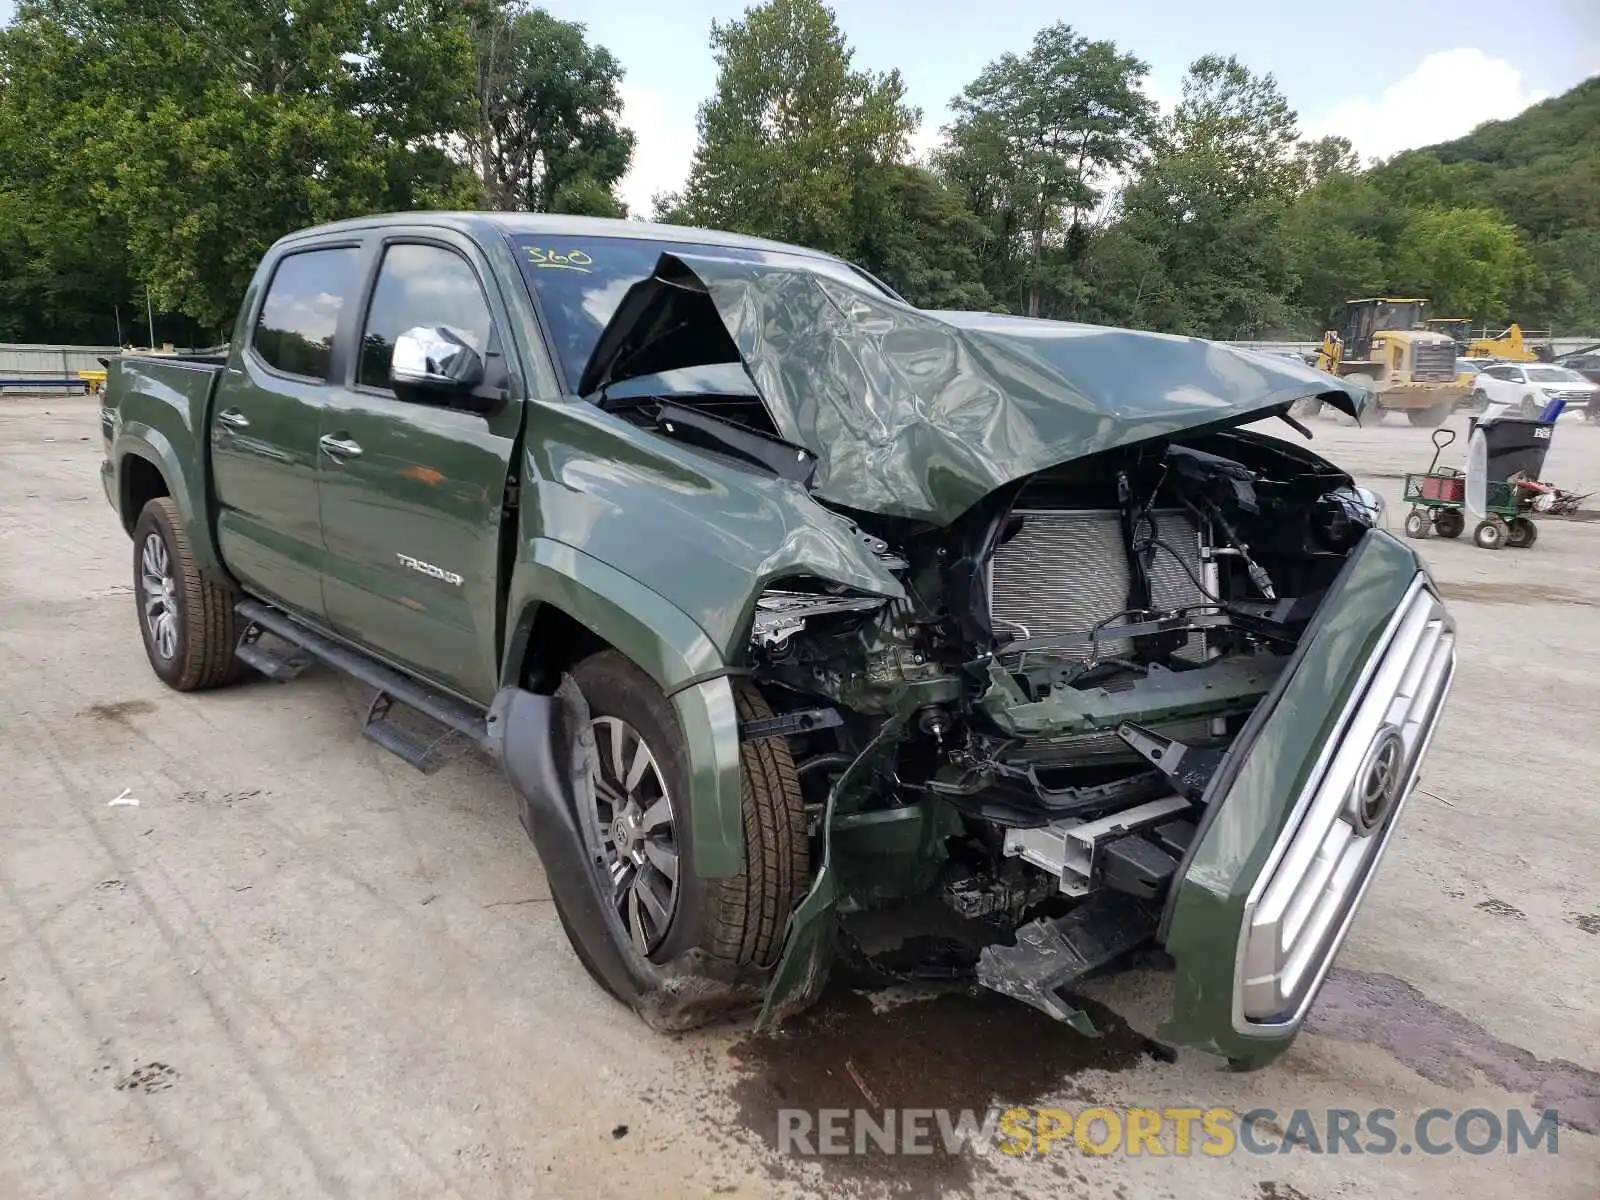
1484 592
1447 1048
957 1050
118 710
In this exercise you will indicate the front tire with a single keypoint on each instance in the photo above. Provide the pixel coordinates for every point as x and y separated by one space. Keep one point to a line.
1522 533
665 919
1430 417
186 618
1490 534
1417 524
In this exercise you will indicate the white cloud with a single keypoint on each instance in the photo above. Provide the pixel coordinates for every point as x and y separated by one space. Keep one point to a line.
664 141
1447 95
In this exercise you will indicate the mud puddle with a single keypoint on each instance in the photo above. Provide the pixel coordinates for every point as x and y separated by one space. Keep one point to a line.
943 1050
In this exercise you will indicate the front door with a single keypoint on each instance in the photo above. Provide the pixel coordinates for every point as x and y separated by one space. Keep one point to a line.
265 421
414 490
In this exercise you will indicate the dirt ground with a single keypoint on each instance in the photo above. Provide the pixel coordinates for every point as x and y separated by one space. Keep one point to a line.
296 967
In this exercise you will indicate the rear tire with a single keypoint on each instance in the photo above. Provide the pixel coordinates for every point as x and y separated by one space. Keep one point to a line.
1521 533
1376 408
715 930
186 618
1449 522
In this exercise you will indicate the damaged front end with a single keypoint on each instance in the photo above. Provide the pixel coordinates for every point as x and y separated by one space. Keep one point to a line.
1139 683
1022 751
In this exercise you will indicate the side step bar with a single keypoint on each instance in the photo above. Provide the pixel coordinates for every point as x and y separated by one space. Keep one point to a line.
417 746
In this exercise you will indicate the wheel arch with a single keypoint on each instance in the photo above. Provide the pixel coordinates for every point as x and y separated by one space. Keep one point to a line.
559 592
139 481
146 458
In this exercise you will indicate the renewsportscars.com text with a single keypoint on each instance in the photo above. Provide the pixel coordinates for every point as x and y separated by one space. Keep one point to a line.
1159 1132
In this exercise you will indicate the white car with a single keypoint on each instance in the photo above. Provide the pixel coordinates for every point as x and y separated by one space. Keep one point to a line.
1524 389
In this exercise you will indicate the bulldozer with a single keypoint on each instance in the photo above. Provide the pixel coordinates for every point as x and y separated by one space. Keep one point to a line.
1385 345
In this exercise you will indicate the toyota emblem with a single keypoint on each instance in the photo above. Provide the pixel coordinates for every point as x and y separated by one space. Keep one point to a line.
1378 782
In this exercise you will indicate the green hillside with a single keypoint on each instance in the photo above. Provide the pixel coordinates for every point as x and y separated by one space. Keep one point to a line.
1541 170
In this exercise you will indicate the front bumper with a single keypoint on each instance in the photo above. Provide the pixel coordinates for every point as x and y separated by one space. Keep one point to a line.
1402 396
1304 807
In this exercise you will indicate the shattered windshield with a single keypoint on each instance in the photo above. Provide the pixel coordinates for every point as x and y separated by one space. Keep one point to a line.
579 281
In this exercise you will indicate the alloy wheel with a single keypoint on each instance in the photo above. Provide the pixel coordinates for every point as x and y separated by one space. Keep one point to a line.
158 596
632 821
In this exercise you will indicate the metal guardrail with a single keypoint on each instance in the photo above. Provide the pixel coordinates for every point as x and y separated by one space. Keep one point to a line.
45 367
31 367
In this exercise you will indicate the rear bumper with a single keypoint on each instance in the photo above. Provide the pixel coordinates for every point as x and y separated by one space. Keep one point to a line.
1298 821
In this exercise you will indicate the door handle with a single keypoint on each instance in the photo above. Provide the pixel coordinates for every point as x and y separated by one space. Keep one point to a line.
233 419
337 447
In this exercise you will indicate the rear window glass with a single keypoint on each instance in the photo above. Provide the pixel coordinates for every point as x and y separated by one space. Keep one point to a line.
579 281
294 332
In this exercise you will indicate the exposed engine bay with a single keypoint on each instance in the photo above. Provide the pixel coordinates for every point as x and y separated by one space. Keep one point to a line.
1012 761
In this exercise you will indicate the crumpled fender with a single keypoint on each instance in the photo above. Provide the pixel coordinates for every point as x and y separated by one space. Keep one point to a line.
809 943
533 736
546 748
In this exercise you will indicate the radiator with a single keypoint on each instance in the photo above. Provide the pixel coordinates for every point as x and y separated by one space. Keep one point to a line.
1433 362
1066 571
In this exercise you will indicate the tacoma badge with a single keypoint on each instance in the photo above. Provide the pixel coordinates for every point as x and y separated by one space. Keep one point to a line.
416 564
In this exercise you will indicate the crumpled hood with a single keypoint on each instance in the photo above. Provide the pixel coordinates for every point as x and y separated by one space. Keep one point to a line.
921 414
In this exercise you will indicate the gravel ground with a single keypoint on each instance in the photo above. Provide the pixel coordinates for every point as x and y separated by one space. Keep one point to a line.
296 967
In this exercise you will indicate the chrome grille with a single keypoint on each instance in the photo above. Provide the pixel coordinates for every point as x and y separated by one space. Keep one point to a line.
1066 571
1303 901
1433 362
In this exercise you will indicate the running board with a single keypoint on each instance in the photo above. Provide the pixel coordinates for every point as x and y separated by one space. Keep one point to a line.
418 746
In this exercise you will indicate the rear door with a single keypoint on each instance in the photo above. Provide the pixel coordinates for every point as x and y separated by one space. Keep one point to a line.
414 490
265 421
1497 385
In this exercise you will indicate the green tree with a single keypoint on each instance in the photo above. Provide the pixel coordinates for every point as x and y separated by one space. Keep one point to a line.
208 128
1212 200
63 263
1339 234
1467 260
922 241
549 136
1035 138
793 134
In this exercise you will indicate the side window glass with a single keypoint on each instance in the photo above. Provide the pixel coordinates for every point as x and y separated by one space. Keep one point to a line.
420 285
294 331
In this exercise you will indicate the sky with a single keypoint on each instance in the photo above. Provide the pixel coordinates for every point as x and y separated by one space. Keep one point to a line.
1388 75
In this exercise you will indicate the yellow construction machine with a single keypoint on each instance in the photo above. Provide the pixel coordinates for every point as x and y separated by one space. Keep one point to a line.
1509 345
1384 344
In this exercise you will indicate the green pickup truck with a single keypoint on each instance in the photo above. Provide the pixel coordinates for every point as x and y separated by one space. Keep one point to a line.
814 631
